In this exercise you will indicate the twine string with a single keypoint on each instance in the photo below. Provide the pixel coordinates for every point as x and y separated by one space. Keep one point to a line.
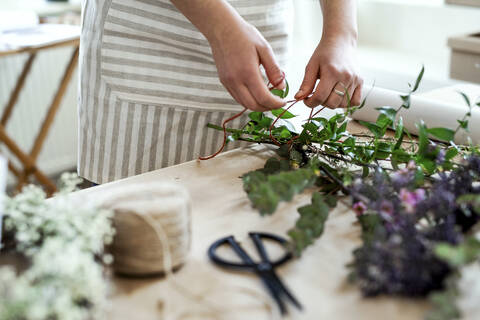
215 311
290 104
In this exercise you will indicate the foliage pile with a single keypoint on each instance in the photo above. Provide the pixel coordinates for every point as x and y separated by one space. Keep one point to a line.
416 200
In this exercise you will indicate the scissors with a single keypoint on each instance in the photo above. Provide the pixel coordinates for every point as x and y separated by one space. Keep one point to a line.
264 269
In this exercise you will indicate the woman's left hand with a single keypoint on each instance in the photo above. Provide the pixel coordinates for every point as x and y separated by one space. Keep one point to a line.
333 63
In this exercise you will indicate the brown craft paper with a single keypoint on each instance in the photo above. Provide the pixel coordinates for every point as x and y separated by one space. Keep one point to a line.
219 208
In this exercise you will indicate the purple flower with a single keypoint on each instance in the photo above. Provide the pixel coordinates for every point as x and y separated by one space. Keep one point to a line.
386 208
440 159
402 177
359 208
411 199
412 165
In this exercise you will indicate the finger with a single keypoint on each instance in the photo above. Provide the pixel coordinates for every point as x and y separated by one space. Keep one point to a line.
234 95
262 95
336 97
347 98
357 95
274 74
309 80
321 93
248 100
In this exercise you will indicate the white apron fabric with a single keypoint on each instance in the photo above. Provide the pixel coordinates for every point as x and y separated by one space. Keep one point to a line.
149 85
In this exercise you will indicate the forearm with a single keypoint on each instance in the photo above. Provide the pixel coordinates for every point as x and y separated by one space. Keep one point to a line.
340 20
211 17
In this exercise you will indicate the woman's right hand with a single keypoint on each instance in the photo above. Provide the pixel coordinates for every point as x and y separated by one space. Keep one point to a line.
238 50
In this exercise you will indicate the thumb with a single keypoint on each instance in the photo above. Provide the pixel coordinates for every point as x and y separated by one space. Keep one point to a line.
274 73
308 82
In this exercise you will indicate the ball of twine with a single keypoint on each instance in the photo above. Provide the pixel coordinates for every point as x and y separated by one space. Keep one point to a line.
137 250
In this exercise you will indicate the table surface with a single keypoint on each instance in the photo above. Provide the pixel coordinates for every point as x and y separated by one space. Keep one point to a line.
62 43
41 8
49 36
220 208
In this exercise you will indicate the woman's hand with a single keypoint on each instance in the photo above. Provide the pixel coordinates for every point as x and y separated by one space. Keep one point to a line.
333 63
238 50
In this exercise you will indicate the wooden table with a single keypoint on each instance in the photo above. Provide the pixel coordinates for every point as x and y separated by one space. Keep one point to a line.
221 208
28 159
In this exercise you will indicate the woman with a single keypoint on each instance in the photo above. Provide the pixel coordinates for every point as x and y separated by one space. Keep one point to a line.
155 72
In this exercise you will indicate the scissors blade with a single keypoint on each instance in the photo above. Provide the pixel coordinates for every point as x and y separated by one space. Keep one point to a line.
281 288
274 292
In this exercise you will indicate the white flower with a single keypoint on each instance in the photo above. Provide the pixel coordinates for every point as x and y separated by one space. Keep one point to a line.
64 241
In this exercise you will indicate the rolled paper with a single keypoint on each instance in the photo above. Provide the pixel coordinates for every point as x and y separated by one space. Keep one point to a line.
152 224
433 112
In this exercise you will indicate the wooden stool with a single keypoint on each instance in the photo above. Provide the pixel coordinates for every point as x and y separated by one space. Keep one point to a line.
28 159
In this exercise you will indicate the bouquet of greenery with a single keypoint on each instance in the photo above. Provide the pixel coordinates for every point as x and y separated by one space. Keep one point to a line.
416 200
63 245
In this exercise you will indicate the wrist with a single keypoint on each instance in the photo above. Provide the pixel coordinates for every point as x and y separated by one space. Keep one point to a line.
223 29
345 36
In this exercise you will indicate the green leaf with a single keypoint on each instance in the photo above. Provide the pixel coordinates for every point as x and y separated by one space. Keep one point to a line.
311 223
342 128
365 172
376 130
285 133
286 115
419 79
383 121
278 93
400 155
463 124
428 165
451 153
349 142
296 156
330 200
444 134
281 93
274 165
422 138
370 224
466 252
406 101
264 123
287 89
444 302
389 112
255 115
399 134
465 97
266 191
472 200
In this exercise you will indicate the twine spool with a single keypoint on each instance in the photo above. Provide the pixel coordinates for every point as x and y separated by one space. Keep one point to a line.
137 249
153 235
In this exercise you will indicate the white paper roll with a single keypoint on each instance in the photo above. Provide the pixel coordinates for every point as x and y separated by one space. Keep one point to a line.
434 113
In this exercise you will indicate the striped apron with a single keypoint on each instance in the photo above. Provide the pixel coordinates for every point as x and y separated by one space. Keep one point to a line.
149 85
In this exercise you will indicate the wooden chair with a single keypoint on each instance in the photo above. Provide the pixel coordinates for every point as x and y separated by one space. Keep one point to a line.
28 159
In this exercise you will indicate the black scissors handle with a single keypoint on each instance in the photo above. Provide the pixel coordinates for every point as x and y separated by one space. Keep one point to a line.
265 268
247 262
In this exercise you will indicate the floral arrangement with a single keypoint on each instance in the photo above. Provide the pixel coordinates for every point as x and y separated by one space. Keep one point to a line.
417 200
63 244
